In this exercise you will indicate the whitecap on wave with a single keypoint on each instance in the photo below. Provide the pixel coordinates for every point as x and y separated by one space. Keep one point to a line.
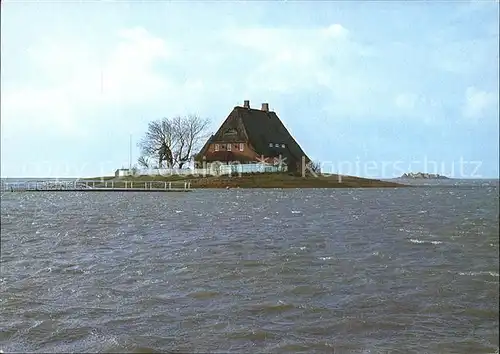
493 274
413 240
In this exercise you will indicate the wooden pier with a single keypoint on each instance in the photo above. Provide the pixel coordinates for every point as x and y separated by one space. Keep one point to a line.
95 186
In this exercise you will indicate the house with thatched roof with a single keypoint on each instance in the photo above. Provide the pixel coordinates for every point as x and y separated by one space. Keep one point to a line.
251 136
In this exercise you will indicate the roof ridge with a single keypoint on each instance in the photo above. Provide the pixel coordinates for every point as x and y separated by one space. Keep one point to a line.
262 128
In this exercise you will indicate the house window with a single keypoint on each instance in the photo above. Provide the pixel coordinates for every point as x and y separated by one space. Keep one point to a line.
229 147
223 146
283 146
242 146
277 145
216 147
230 132
270 145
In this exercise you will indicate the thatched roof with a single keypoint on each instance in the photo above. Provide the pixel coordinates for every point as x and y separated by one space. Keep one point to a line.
260 128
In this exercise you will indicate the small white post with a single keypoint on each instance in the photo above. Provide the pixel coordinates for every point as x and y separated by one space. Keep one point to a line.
169 185
131 184
185 185
113 184
93 184
106 184
165 185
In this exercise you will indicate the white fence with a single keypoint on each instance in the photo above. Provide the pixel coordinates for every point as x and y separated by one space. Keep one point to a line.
168 171
94 185
211 169
249 168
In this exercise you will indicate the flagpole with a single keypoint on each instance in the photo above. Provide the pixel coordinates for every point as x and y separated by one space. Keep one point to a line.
130 155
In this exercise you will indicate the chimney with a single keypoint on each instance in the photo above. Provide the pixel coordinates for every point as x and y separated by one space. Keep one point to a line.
246 104
265 107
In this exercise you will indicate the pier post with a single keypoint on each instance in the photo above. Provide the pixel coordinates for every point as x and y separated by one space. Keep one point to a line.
93 184
131 184
165 185
185 185
126 184
169 185
106 184
113 184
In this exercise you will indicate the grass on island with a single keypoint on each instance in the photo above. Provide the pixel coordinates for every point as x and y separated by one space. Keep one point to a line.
248 180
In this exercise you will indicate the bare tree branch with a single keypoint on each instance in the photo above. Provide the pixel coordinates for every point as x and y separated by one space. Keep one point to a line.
173 140
190 131
157 141
144 162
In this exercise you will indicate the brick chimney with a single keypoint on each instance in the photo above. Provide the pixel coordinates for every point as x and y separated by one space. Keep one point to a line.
265 107
246 104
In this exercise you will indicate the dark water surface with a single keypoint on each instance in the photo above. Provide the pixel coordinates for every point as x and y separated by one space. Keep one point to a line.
352 271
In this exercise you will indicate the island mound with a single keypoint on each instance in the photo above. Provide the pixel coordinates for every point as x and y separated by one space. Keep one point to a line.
422 175
264 180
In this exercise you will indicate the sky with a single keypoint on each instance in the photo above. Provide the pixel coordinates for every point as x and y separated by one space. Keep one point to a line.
371 88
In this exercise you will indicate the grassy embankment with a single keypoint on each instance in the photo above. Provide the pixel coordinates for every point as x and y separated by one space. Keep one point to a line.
253 180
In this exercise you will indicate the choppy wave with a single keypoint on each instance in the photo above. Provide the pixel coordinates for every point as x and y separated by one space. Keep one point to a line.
356 271
490 273
434 242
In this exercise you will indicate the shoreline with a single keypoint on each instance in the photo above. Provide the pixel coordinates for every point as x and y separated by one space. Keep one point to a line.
261 180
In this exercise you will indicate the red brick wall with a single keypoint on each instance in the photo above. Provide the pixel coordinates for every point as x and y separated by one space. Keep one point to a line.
247 153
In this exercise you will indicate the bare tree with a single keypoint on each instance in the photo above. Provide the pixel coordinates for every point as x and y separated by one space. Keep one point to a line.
157 142
174 141
144 162
190 132
134 171
315 167
312 168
